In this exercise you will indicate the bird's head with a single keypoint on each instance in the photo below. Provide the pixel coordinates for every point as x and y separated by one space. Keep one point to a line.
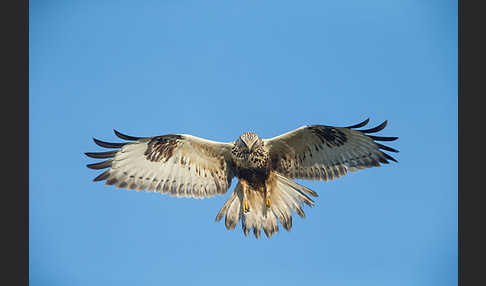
249 141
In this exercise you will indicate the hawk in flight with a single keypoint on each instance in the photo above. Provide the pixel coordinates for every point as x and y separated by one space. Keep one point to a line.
182 165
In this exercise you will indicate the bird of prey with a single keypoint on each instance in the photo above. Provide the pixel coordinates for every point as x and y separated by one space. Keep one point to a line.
183 165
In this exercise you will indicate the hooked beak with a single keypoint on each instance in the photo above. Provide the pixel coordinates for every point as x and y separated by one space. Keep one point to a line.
249 146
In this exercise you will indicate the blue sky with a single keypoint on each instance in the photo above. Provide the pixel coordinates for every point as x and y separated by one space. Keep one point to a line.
215 69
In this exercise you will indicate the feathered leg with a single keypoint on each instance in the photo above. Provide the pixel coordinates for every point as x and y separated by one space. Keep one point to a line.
246 189
267 196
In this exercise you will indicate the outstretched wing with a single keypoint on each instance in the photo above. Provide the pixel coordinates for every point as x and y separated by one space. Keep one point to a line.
319 152
178 164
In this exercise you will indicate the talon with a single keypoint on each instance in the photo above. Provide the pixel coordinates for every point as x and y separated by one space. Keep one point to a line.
246 206
268 202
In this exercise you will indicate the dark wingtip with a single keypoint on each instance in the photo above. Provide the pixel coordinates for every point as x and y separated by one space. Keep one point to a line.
107 144
383 147
100 165
102 176
377 128
389 157
382 138
124 136
361 124
98 155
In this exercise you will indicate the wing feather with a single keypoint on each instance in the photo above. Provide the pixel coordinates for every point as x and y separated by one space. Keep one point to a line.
178 164
320 152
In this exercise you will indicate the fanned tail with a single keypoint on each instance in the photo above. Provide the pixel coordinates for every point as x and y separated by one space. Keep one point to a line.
285 195
231 209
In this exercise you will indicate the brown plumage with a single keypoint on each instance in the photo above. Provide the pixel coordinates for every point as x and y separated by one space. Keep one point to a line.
187 166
